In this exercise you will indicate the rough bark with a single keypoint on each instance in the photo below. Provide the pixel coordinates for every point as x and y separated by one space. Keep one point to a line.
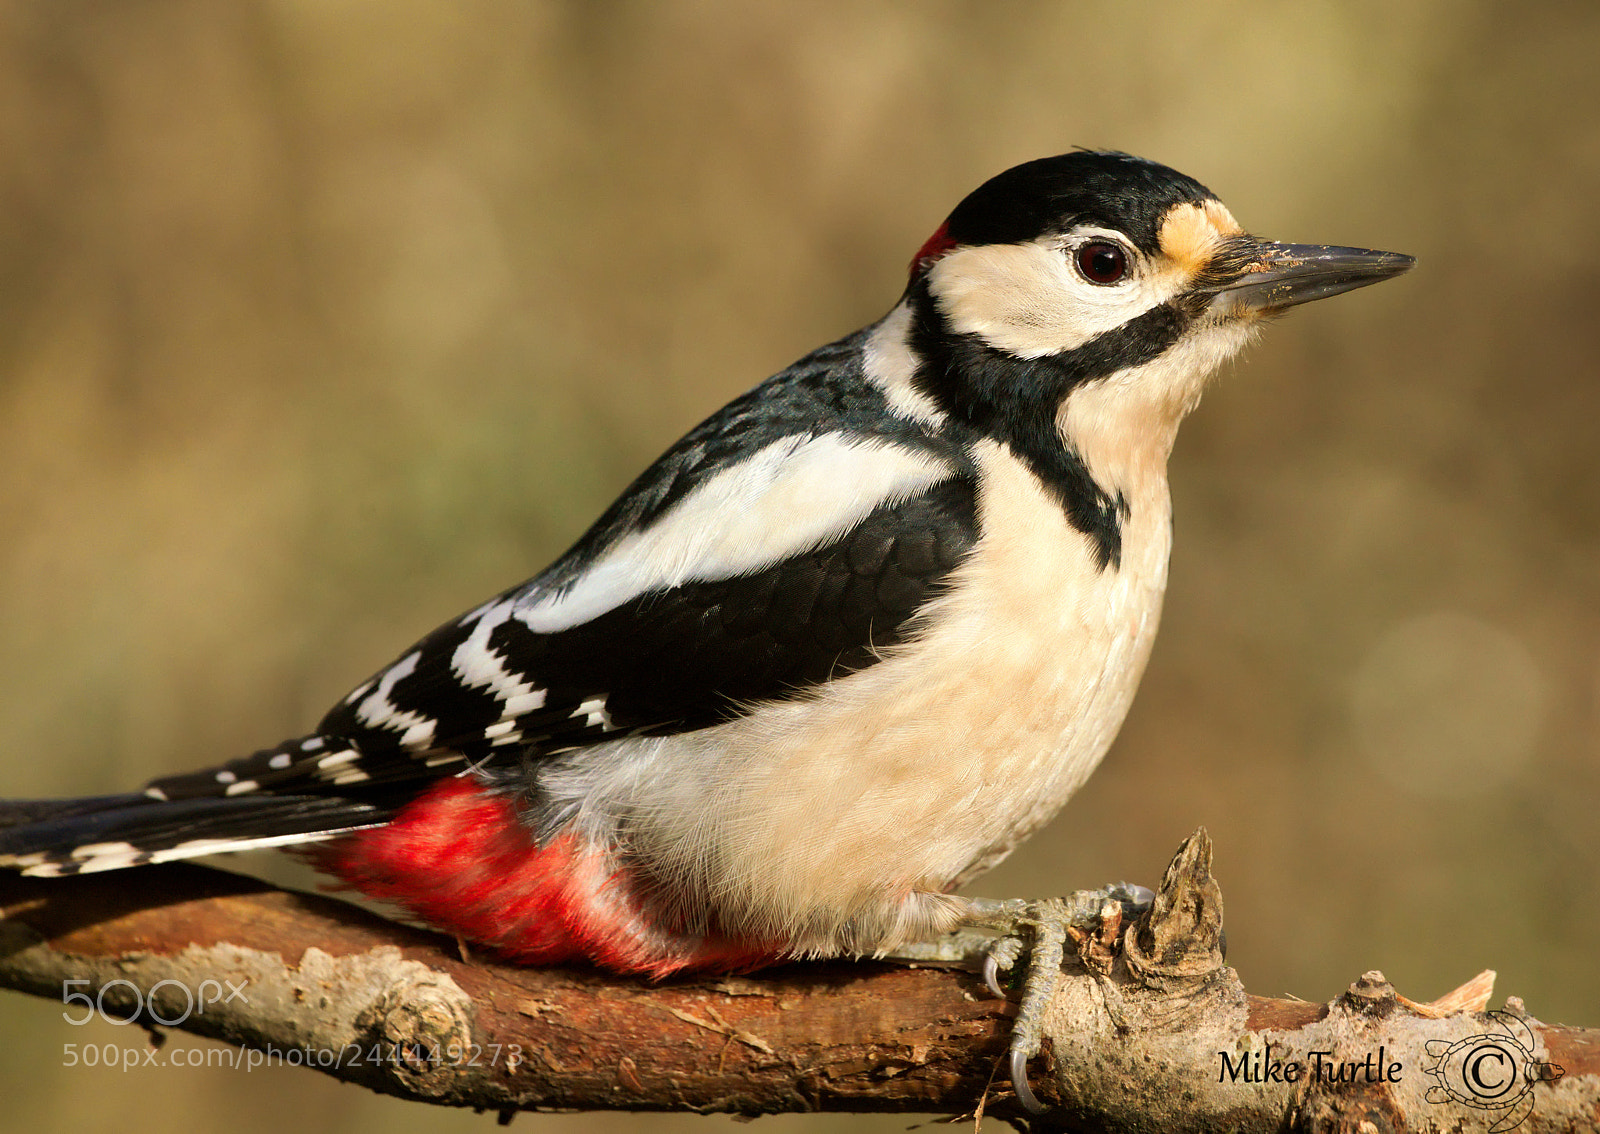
1149 1030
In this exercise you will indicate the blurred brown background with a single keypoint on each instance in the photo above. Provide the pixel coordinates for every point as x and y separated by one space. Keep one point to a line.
320 321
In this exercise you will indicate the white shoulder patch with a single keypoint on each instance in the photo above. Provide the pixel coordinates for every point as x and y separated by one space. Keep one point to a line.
786 499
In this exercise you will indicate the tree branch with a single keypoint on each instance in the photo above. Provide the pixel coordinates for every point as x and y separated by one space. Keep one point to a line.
1148 1028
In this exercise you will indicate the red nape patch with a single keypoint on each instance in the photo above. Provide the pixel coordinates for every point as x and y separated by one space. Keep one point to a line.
459 858
932 248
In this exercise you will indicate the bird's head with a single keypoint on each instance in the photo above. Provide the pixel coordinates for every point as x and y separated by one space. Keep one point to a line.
1101 269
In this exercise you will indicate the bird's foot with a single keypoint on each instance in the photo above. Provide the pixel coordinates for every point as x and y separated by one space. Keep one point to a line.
1038 930
1091 920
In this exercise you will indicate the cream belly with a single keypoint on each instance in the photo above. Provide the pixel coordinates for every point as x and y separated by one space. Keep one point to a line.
898 782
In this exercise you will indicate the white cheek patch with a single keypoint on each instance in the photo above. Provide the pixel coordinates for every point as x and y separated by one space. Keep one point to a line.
1027 300
789 498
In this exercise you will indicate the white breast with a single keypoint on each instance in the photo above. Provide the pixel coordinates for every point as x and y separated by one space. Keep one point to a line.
838 820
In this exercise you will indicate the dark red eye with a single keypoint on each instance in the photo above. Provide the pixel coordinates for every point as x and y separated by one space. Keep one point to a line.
1102 262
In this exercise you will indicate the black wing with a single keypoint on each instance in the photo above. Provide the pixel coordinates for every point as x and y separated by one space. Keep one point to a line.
665 661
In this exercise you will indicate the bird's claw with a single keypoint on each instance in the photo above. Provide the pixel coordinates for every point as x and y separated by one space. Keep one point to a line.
1091 919
1003 953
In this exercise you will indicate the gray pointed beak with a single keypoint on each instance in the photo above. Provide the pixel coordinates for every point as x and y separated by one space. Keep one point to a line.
1276 276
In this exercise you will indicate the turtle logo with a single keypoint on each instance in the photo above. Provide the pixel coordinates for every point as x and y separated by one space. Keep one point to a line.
1493 1072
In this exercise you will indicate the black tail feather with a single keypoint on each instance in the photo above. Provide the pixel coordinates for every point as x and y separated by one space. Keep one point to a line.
20 812
107 832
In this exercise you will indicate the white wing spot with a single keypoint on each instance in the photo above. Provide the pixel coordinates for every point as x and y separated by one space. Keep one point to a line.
476 664
47 870
25 862
281 760
95 850
226 777
420 735
242 787
104 862
524 703
378 710
594 713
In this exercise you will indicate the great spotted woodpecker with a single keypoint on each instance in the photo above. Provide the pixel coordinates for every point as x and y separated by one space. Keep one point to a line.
835 653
